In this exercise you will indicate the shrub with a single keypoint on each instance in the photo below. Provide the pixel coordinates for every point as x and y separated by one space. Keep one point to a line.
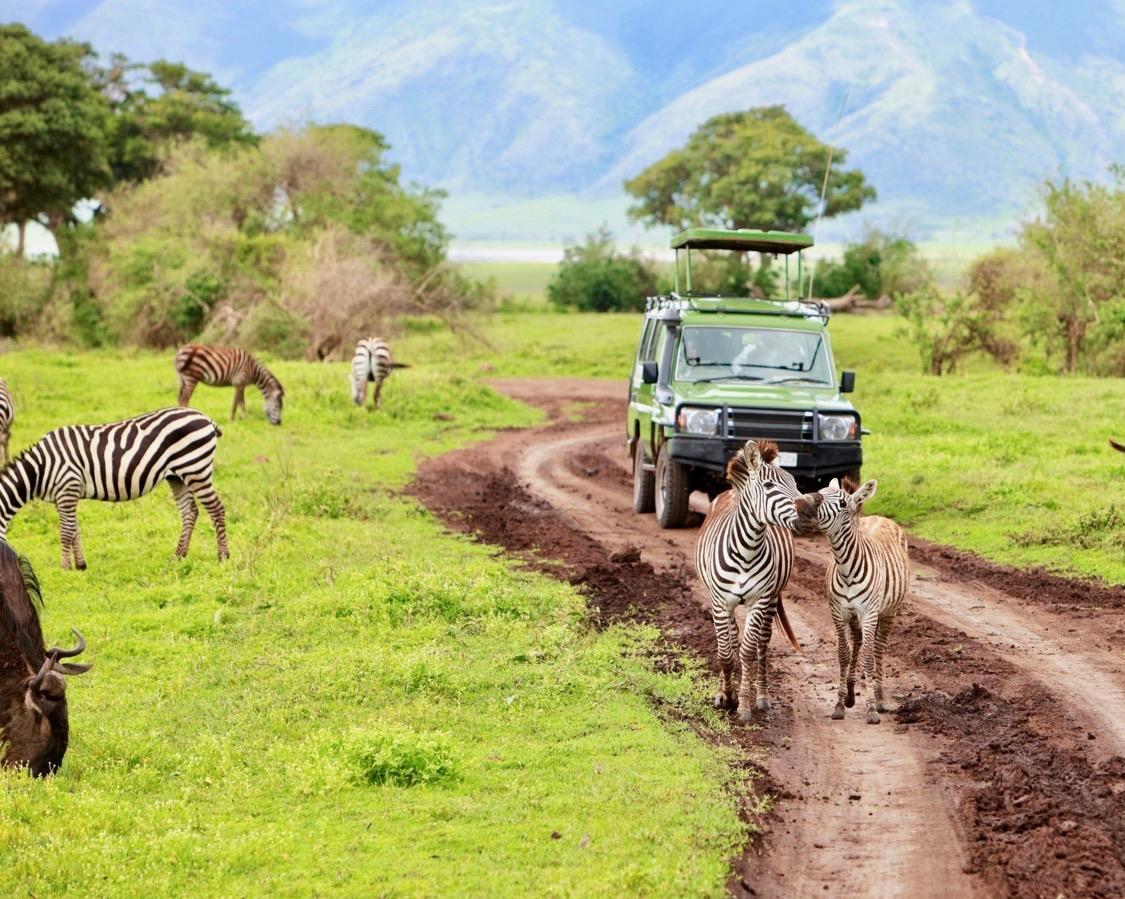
594 277
947 327
880 265
402 757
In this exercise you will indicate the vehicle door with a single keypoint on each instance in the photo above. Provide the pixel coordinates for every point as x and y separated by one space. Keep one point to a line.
640 393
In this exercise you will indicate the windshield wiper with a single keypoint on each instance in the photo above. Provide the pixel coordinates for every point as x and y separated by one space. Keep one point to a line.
730 377
792 380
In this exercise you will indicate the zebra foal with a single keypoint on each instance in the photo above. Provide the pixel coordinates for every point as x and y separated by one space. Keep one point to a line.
371 362
7 416
228 367
744 556
867 581
117 462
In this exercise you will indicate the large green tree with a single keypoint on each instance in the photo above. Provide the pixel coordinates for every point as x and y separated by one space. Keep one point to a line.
159 102
752 169
53 129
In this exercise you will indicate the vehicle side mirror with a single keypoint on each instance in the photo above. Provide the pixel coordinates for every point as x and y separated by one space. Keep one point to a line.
847 382
649 372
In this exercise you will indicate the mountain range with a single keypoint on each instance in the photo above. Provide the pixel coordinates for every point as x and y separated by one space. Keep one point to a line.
531 113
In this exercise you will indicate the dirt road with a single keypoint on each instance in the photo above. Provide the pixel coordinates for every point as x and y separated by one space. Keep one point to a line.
1002 772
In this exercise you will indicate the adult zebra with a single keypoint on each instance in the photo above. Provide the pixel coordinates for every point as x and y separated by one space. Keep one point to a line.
371 362
7 416
228 367
117 462
867 581
744 555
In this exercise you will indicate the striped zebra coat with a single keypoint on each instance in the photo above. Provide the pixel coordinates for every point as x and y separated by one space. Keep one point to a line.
371 362
867 581
228 367
7 416
118 462
744 556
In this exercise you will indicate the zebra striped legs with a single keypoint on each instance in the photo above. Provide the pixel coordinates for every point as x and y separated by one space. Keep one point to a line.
210 501
239 401
185 502
874 642
848 653
187 388
5 436
377 400
726 635
753 656
67 506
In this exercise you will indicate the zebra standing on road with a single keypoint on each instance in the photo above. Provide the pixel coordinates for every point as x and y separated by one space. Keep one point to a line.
371 362
744 556
228 367
867 581
7 416
117 462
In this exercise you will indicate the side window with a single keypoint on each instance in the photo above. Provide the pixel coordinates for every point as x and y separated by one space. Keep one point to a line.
648 345
646 336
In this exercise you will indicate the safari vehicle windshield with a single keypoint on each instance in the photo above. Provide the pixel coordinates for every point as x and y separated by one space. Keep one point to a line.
765 355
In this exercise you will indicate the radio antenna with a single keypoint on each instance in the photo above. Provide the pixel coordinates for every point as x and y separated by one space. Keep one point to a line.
824 188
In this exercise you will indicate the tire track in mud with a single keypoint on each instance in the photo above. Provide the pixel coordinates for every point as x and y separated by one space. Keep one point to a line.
1003 774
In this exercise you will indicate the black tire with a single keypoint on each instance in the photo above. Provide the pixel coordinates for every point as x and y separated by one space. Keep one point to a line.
644 483
672 491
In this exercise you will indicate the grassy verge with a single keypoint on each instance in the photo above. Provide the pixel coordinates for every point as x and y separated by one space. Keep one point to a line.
1015 467
357 703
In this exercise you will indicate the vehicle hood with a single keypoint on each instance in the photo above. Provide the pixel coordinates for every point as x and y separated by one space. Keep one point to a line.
778 396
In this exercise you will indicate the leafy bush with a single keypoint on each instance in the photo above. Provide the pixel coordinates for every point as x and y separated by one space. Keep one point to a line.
594 277
24 289
880 265
403 758
947 327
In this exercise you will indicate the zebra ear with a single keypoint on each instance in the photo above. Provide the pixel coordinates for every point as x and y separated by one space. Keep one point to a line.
864 493
743 464
834 484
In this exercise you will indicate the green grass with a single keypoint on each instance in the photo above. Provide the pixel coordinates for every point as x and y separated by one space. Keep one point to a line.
1014 467
521 284
357 703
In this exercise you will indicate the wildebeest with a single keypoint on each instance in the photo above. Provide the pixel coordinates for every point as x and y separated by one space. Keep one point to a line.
33 713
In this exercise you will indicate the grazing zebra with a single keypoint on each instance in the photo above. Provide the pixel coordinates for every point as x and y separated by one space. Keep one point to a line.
117 462
7 416
867 580
744 556
371 362
228 367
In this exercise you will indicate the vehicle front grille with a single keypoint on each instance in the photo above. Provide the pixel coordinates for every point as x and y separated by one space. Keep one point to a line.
775 424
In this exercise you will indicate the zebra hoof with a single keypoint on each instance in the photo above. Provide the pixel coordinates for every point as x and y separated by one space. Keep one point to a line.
762 704
849 701
745 715
81 566
872 717
838 713
723 701
880 707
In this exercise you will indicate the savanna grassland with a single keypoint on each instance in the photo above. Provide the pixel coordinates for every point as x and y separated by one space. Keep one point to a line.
358 702
1013 466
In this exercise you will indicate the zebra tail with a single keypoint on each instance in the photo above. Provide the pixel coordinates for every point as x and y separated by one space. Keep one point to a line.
400 365
783 620
1116 445
218 430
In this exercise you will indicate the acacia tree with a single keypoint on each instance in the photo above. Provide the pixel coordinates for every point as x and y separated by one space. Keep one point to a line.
752 169
159 102
1081 237
53 127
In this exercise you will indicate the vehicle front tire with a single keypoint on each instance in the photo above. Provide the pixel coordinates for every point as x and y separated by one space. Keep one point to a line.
644 483
672 492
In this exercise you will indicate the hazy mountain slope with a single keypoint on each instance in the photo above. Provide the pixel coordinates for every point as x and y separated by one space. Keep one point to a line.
948 112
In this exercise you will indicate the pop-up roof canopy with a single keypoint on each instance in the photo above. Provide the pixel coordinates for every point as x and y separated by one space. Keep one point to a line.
744 240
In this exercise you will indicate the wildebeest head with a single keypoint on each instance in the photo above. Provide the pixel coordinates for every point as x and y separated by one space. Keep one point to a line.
33 714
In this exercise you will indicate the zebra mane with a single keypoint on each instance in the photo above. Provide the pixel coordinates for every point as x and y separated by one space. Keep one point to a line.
738 472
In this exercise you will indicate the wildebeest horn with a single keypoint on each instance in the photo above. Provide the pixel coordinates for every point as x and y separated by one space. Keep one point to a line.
48 664
68 653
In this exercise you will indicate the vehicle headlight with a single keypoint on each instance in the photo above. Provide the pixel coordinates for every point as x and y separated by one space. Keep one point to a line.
838 427
699 421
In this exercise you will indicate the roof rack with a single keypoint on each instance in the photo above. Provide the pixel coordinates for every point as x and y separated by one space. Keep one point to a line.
676 303
745 240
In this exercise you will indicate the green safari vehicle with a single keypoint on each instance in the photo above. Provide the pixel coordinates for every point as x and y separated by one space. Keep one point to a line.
712 372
